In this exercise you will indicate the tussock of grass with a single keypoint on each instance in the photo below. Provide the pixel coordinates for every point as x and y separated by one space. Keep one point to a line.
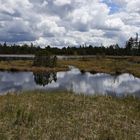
65 116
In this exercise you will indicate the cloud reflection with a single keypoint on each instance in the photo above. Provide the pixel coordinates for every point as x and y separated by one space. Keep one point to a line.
72 80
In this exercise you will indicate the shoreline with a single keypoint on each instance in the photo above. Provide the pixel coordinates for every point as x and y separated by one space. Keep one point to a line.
113 65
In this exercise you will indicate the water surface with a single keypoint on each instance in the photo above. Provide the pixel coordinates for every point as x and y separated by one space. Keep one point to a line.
72 80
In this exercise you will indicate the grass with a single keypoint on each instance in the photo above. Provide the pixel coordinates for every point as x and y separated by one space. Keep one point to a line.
25 65
108 64
112 65
65 116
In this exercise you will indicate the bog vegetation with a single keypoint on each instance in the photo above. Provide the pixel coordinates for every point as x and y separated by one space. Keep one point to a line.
64 116
44 59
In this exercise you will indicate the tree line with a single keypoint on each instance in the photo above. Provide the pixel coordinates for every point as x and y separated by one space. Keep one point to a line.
130 49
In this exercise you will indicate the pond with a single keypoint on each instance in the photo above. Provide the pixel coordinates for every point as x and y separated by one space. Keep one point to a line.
73 80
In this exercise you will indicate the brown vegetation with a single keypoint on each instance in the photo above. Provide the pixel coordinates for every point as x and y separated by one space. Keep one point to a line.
103 64
62 116
111 65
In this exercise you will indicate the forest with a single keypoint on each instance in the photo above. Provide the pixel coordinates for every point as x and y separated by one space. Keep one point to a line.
131 48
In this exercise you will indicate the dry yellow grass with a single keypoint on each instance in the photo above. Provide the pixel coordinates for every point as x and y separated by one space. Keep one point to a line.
25 65
65 116
98 64
106 65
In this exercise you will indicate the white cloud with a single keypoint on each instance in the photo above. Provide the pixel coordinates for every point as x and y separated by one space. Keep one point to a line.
62 2
68 22
49 27
114 23
133 6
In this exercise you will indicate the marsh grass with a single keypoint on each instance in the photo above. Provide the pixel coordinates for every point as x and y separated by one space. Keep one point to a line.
112 65
26 65
64 116
105 64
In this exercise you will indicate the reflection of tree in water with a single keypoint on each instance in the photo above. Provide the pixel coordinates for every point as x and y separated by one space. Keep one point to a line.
45 78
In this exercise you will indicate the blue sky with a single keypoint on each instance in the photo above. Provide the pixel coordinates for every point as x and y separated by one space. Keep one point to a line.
114 8
69 22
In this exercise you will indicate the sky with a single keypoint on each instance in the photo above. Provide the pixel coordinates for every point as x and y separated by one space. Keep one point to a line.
61 23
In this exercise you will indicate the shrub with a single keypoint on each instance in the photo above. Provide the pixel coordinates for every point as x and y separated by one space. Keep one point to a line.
45 60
